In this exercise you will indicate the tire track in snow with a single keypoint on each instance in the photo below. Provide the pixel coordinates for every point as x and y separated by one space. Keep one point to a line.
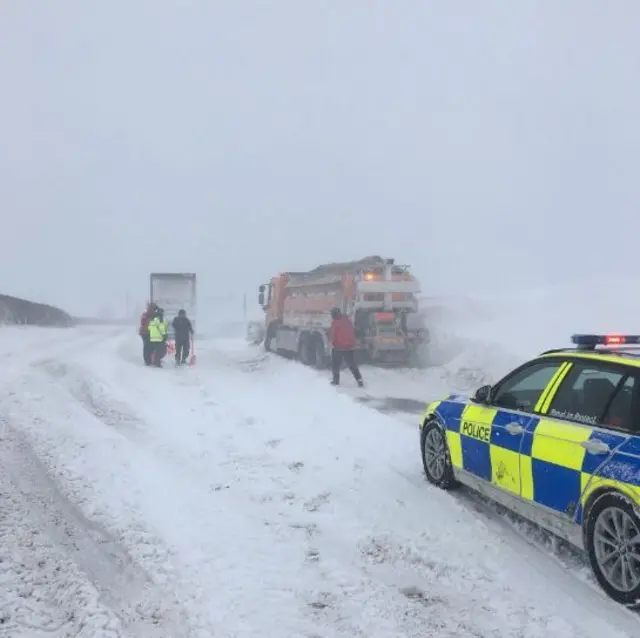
95 396
24 354
119 581
123 585
145 604
100 399
43 592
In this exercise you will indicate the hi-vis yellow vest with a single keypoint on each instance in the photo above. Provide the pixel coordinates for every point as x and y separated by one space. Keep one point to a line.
157 329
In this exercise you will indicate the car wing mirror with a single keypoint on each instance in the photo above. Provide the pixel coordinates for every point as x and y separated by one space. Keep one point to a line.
482 394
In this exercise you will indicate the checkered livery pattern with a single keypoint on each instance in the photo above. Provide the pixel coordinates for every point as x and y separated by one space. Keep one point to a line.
544 462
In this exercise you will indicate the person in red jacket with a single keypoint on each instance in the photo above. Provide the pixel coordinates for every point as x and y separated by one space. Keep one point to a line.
143 331
343 342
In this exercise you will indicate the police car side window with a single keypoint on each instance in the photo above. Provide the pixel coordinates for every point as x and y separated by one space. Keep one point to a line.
622 413
591 390
523 388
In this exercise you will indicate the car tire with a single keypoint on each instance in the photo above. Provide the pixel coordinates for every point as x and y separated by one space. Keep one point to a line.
436 459
610 524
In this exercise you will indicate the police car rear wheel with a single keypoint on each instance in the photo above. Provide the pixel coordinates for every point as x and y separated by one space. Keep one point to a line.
435 456
613 545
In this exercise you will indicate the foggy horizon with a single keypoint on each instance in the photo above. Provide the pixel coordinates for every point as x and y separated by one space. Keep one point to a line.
490 147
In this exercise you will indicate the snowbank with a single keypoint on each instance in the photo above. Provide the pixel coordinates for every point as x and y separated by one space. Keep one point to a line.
478 339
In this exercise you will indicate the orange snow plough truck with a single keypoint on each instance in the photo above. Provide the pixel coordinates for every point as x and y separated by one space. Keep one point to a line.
378 295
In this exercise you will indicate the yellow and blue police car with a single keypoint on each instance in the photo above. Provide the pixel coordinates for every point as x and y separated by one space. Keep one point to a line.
557 441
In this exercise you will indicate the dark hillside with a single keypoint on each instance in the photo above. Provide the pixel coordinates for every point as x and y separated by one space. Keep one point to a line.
15 311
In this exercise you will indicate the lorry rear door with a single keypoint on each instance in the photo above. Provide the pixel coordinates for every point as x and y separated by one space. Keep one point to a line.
172 292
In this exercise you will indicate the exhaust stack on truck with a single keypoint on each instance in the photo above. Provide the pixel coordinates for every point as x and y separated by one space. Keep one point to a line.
377 294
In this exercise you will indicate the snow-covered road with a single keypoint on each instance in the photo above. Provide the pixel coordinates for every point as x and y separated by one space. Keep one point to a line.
246 497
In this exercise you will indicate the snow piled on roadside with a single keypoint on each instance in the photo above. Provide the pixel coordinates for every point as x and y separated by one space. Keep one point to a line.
479 339
531 321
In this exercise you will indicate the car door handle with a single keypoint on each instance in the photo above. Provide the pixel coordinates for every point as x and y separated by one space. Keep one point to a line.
596 447
514 428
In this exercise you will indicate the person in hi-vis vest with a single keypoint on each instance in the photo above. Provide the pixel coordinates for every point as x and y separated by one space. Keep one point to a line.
158 330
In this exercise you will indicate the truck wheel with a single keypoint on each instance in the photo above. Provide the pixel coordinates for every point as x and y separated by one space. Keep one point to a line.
321 358
269 337
612 539
436 460
305 350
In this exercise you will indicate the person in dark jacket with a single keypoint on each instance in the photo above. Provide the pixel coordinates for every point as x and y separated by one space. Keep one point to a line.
183 331
143 331
343 342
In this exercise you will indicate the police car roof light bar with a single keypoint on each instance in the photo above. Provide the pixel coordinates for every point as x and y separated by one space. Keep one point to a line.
589 342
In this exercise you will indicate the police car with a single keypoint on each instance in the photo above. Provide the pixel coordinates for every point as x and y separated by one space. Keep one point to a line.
557 440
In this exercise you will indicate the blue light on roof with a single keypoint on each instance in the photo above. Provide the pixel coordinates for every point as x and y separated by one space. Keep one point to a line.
590 341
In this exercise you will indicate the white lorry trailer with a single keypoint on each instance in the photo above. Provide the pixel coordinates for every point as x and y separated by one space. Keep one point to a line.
173 291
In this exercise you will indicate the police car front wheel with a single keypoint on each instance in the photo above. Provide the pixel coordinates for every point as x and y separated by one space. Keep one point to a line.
613 544
435 456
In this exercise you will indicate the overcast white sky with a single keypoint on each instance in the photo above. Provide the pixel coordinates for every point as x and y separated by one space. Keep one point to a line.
485 143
